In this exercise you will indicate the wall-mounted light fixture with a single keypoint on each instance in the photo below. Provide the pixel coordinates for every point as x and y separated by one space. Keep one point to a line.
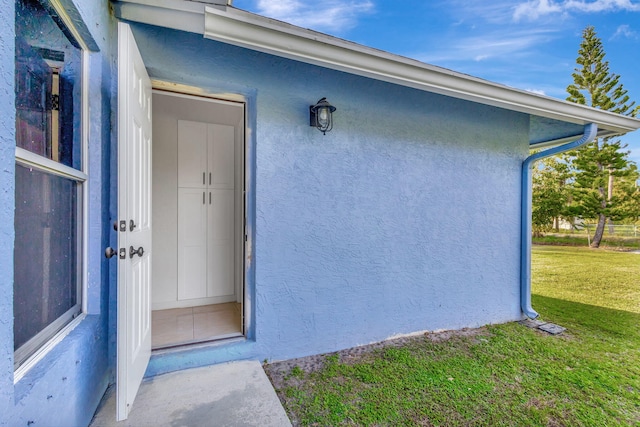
321 115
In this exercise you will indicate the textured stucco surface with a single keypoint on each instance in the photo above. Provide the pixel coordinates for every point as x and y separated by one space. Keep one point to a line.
7 144
65 387
404 218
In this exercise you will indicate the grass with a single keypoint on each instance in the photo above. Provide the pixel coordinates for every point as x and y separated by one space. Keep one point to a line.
615 242
503 375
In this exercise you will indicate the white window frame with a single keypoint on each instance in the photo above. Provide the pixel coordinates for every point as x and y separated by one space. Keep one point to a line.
43 342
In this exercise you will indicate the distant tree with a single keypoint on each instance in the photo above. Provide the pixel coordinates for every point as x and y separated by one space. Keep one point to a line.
551 193
603 161
627 194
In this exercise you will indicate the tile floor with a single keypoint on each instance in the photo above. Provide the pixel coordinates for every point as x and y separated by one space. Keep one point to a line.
178 326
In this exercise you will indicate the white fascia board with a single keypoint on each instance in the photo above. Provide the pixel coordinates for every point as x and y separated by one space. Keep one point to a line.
255 32
175 14
241 28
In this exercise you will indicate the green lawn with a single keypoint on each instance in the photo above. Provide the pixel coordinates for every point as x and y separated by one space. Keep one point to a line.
504 375
615 242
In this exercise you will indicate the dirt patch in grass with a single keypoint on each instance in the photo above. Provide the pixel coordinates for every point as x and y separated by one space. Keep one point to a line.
288 373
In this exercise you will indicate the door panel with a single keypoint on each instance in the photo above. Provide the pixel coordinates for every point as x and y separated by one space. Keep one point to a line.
221 213
192 243
220 273
192 154
221 243
221 156
134 207
140 275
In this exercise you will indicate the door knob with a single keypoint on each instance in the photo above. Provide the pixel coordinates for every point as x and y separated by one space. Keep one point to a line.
133 251
110 252
132 225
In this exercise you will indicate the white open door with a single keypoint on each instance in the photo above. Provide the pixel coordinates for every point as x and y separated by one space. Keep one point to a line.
134 220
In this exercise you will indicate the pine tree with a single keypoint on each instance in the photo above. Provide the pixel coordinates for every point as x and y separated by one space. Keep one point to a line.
601 162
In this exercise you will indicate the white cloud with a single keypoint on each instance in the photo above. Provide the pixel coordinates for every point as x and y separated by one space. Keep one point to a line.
624 31
329 15
536 91
601 5
534 9
487 46
472 12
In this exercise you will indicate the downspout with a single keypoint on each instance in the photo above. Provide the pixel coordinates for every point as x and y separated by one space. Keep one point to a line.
590 132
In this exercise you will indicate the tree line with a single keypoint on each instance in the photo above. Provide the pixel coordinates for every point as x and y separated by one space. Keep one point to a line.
597 183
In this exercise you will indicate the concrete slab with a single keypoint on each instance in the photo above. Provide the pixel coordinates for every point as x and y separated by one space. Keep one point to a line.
547 327
552 328
533 324
229 394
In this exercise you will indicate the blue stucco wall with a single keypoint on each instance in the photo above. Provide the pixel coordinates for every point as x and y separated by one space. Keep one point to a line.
404 218
7 188
65 387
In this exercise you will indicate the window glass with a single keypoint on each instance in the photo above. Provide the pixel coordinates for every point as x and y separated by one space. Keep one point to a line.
48 75
46 249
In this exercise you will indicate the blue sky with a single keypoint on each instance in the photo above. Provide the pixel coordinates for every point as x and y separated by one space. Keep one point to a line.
530 45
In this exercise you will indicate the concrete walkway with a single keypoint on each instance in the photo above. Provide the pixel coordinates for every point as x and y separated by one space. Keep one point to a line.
229 394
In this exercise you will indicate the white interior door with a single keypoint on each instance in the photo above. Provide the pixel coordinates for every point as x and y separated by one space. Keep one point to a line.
192 243
206 211
192 154
221 212
134 208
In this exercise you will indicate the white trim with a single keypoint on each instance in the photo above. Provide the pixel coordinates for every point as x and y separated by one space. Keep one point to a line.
178 15
27 158
46 348
552 143
220 341
185 91
84 120
241 28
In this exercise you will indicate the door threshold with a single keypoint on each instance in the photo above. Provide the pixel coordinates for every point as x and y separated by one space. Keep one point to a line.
220 339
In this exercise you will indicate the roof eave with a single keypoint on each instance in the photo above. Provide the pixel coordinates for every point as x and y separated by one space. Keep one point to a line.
245 29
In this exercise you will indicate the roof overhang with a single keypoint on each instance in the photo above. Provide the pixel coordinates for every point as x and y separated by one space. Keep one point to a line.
217 21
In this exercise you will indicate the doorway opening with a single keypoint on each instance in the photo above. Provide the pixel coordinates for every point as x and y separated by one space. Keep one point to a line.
198 214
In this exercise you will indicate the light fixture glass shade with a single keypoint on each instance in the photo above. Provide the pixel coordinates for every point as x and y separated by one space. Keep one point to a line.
321 115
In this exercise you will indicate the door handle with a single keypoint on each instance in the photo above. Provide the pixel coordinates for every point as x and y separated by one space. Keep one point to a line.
133 251
110 252
132 225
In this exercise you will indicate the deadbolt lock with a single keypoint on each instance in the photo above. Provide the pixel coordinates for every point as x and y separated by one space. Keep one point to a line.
109 252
